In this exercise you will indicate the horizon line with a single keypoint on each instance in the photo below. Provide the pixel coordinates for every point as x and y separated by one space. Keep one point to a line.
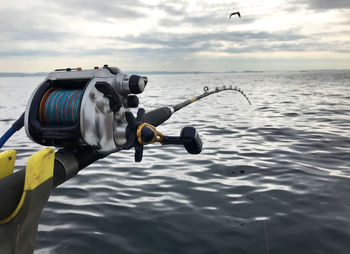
43 73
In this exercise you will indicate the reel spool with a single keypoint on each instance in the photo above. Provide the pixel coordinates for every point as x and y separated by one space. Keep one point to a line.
60 107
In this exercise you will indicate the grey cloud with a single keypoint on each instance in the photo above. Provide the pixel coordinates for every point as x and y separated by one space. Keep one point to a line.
172 10
43 21
179 15
21 25
212 20
326 4
191 40
195 21
18 25
102 9
184 51
181 48
187 44
31 53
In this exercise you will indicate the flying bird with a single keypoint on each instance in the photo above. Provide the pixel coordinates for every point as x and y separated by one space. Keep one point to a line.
235 13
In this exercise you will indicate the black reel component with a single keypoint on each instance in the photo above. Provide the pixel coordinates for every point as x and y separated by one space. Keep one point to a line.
140 133
189 138
114 101
133 124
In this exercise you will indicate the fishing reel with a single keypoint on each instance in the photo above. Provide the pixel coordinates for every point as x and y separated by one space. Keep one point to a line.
75 107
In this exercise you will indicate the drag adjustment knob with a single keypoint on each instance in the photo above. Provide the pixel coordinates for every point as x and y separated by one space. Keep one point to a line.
137 84
108 91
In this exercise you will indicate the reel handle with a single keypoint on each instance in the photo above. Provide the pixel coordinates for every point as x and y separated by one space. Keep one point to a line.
189 138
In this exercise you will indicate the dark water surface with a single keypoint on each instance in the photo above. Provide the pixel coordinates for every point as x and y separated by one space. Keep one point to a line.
273 177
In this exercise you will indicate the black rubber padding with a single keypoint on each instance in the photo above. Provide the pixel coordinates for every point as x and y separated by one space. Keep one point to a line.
11 188
157 116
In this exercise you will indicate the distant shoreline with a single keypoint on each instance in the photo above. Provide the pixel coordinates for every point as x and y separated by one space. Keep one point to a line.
22 74
41 74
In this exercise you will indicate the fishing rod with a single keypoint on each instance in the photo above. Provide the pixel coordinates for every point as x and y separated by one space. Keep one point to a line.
207 93
87 115
160 115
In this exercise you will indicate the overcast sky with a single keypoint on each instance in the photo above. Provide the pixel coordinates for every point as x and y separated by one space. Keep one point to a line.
165 35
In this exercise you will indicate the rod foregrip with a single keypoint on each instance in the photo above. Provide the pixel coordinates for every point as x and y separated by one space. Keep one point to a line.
158 116
184 104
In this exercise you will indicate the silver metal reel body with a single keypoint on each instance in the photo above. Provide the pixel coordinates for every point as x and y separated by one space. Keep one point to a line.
100 126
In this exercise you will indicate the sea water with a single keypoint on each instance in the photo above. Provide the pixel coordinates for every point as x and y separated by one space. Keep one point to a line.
273 177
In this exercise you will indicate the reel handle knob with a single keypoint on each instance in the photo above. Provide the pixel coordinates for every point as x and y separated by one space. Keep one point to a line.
189 138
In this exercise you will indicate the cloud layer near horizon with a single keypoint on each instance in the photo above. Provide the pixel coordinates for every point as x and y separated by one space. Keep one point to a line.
180 35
